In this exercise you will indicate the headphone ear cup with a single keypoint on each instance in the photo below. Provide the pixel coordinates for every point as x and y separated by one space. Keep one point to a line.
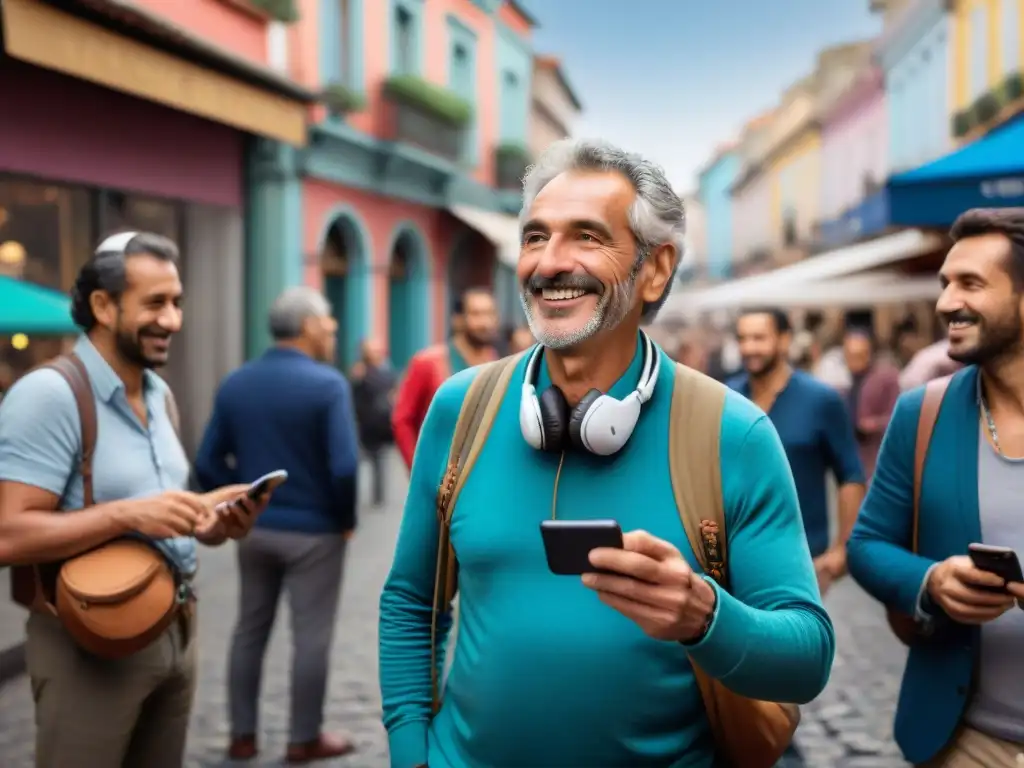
577 416
554 417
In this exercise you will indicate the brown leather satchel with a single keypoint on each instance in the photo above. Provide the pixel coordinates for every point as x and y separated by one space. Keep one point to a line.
903 626
113 600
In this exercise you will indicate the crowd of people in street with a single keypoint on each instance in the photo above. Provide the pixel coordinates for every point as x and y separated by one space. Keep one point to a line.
635 528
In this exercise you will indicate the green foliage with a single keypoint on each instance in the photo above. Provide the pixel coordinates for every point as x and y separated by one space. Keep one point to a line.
282 10
963 122
341 99
433 99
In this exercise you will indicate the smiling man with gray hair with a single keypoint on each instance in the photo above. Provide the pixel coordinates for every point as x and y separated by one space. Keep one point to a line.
592 644
289 409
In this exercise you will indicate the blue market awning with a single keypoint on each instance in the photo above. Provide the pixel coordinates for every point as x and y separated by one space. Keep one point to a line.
29 308
867 219
988 173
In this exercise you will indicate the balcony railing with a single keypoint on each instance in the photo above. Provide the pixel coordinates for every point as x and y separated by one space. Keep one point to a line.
427 116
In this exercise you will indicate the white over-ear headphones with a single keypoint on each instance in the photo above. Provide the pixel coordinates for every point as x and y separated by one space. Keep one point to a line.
599 424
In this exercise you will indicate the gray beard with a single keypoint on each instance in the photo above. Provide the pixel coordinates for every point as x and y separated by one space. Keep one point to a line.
610 311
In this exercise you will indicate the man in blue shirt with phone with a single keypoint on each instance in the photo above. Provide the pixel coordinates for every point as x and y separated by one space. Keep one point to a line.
289 409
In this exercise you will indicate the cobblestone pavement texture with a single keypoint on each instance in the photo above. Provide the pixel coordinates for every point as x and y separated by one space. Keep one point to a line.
849 726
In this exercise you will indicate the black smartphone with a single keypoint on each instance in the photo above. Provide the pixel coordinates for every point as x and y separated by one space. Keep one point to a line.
1002 561
266 484
568 543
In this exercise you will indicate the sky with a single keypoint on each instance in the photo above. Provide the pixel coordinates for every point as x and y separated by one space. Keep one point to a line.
673 79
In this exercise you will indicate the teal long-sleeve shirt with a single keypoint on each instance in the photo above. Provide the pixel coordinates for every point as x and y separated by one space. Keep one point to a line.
544 674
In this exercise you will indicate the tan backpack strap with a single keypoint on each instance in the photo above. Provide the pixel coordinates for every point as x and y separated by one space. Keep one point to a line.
695 427
74 372
934 391
479 408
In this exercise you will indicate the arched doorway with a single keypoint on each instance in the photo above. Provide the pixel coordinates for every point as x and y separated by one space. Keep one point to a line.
343 259
409 318
471 265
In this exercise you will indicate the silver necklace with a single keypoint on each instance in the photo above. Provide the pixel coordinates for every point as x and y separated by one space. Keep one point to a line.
991 424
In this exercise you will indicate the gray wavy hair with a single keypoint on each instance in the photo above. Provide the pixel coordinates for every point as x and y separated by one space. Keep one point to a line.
292 308
657 215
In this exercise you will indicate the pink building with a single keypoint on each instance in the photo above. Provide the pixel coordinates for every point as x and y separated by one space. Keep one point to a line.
402 205
854 161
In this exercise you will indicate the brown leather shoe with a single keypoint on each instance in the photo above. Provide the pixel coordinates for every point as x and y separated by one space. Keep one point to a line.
323 748
243 748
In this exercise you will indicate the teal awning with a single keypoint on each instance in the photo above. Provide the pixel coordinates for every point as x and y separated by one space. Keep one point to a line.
29 308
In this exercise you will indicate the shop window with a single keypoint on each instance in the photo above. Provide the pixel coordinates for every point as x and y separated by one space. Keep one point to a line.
789 233
405 45
979 51
1010 28
46 231
277 46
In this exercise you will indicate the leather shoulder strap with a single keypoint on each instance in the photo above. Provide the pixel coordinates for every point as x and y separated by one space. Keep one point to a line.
479 407
934 391
694 433
73 370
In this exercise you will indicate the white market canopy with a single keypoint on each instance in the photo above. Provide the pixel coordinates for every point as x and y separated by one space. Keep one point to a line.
847 277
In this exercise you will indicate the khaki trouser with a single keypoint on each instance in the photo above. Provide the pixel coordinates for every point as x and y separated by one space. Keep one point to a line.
973 749
129 713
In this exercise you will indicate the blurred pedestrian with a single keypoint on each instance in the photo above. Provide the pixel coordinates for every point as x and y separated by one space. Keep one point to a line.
871 397
132 711
932 362
474 339
373 391
520 339
555 671
288 409
962 698
815 428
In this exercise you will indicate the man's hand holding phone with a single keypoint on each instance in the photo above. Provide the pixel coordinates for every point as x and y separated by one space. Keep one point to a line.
234 509
968 594
650 582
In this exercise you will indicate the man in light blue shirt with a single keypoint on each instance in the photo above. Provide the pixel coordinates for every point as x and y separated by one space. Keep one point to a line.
134 711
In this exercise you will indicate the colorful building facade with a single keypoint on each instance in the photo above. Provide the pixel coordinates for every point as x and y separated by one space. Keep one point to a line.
987 64
715 184
915 58
854 157
752 197
408 190
140 116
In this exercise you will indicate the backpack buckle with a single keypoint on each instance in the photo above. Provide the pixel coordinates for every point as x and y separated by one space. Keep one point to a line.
712 549
446 490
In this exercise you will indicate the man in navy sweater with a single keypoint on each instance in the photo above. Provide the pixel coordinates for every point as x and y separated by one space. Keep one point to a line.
289 409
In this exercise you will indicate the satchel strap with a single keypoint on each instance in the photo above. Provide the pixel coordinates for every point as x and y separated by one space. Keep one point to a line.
74 372
934 391
479 408
695 426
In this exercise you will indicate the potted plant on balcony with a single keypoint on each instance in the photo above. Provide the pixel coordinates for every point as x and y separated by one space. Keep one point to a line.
963 122
340 99
428 115
512 162
1013 87
281 10
986 107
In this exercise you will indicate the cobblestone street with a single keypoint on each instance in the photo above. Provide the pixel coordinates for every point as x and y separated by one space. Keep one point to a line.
847 727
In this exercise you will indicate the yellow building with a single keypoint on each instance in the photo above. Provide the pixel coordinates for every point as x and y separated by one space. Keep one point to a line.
988 61
793 161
